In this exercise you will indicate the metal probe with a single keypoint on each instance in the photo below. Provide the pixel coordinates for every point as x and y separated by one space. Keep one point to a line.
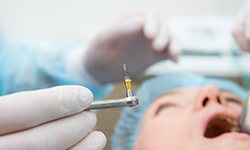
244 117
128 101
113 103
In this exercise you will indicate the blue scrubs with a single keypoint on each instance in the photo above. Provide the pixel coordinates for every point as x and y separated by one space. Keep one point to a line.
26 66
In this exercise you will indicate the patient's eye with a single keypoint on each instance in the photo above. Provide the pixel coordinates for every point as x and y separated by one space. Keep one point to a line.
164 106
233 100
234 103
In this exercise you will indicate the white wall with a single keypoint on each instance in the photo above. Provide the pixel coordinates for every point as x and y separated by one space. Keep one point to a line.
77 20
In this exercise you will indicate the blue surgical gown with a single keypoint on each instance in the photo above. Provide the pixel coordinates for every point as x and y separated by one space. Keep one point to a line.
26 66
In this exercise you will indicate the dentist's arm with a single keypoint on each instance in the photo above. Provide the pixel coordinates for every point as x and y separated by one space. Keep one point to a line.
27 65
138 41
51 118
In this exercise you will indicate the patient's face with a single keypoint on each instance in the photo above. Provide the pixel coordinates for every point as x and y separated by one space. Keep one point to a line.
193 119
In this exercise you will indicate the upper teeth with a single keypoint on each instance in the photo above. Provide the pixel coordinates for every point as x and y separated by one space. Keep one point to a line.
234 124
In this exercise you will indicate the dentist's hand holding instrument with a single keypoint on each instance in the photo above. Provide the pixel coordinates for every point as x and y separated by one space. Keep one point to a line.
52 119
56 118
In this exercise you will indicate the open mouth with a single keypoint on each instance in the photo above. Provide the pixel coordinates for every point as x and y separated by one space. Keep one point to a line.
220 125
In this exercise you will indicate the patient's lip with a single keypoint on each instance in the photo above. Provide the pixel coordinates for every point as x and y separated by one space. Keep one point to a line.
235 135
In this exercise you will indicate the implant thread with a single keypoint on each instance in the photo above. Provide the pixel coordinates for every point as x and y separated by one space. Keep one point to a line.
127 83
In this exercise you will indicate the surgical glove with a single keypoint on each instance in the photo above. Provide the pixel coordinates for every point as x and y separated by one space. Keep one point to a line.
139 41
51 119
241 30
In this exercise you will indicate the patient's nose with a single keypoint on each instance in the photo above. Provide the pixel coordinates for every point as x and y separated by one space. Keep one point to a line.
208 95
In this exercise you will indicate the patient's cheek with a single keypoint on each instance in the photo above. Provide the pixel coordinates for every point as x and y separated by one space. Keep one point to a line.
235 107
161 134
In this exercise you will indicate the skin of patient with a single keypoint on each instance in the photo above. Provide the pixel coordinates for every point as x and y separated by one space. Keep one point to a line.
193 119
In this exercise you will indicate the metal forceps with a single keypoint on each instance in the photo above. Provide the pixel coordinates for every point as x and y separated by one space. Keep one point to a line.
128 101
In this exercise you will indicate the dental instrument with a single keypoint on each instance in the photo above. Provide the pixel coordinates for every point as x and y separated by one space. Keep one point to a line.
127 81
128 101
244 121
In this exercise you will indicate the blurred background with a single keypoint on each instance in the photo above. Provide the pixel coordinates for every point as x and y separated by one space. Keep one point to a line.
77 20
203 28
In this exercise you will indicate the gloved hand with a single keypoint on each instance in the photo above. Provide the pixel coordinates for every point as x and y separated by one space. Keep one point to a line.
241 30
139 41
51 119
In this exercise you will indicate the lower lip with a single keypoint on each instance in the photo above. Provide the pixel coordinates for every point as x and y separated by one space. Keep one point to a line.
235 135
